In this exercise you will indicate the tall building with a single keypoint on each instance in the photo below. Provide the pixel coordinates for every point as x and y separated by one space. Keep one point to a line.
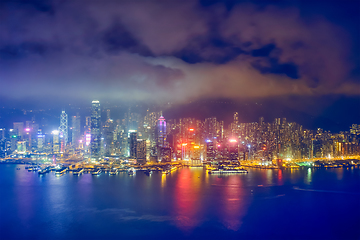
88 123
210 151
18 129
108 114
133 144
55 142
40 141
95 130
75 125
161 132
236 118
141 151
63 129
210 128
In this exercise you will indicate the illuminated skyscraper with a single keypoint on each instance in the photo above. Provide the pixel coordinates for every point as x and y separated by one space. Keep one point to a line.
210 151
133 144
18 129
75 130
210 127
141 151
55 142
236 118
87 123
95 130
63 129
161 132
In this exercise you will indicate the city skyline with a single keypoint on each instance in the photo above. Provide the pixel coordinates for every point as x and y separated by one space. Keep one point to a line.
180 119
150 137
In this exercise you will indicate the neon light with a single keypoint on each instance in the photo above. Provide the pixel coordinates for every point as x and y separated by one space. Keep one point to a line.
87 139
196 146
191 129
232 140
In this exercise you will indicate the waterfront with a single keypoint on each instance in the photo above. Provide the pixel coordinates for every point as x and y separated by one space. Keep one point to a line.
188 203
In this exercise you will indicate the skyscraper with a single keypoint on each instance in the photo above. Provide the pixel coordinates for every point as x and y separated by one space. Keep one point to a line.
19 129
75 124
141 151
133 144
161 132
63 129
95 130
236 118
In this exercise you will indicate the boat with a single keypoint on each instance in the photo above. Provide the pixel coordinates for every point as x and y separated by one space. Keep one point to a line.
96 172
43 170
131 172
227 171
78 171
113 171
61 171
148 172
165 172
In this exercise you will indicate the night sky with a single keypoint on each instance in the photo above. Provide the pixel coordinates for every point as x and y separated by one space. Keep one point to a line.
298 58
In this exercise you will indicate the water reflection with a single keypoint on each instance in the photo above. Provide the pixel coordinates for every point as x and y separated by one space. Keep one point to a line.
269 177
186 201
24 195
84 187
234 204
339 173
163 180
280 177
308 176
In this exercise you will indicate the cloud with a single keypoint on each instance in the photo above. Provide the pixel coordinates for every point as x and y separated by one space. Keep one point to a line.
170 51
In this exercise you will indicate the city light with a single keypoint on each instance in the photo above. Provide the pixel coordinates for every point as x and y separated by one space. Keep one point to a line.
261 138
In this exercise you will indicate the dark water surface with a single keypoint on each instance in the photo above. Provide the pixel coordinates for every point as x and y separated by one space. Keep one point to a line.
186 204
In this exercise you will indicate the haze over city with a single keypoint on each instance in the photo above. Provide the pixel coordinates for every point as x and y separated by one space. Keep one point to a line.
202 119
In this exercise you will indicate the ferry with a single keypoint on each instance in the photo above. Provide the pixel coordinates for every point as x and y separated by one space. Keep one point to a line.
113 171
131 172
43 170
96 172
61 171
78 171
148 172
30 169
227 171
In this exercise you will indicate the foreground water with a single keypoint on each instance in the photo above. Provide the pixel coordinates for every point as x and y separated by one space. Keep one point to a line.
188 203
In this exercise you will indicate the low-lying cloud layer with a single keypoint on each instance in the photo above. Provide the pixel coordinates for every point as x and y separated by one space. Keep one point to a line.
171 51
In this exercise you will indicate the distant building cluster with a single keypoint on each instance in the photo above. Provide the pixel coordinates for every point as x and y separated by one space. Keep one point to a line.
152 138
